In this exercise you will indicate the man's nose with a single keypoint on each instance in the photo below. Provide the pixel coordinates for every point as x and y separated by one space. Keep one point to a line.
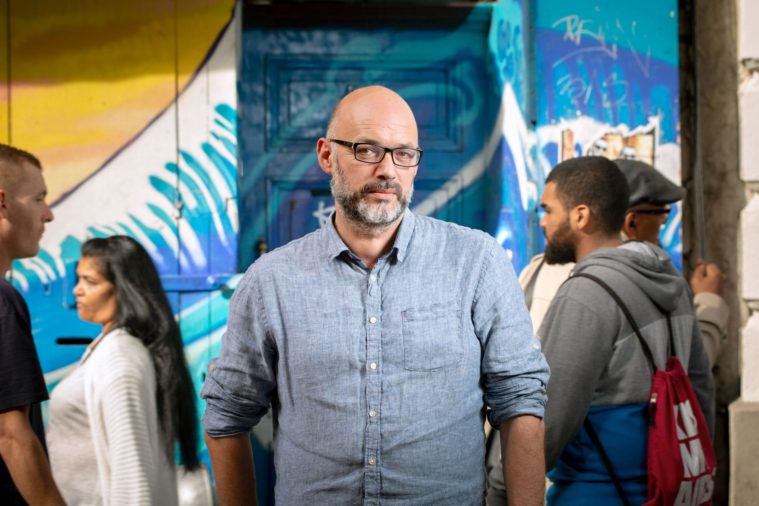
386 169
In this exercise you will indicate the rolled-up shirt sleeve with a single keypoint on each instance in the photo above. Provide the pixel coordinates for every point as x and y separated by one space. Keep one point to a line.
241 382
515 372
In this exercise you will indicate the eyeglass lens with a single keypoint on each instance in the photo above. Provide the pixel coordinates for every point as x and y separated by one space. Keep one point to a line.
371 153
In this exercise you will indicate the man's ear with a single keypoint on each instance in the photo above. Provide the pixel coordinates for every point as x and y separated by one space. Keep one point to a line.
3 198
581 218
629 227
324 155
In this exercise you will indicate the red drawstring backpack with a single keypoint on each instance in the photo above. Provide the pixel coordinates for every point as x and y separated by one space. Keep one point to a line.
681 460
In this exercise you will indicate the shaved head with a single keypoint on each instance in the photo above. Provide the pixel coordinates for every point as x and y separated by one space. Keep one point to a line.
11 165
360 105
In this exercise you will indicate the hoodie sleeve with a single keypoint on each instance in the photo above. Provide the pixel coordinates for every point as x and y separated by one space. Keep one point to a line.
700 376
578 342
713 315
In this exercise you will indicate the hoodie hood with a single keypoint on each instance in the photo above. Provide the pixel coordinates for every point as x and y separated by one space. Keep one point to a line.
646 265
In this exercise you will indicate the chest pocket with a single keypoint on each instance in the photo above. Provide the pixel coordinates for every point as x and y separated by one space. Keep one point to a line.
432 337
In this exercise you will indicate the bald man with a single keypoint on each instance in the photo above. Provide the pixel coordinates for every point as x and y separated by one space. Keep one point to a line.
380 340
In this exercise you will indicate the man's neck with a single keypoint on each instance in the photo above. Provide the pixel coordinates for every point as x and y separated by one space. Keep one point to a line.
589 244
369 244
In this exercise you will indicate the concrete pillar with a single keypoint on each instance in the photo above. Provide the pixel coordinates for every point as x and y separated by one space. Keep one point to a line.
717 79
744 413
744 482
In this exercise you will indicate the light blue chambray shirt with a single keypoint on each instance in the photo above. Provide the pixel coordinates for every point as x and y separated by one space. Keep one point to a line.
380 377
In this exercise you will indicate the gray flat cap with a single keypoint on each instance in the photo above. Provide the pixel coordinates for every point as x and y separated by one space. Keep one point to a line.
648 185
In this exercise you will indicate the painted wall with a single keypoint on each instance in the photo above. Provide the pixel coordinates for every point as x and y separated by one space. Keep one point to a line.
131 107
464 82
607 83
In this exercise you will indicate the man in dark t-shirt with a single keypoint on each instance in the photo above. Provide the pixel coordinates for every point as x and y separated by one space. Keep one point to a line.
24 470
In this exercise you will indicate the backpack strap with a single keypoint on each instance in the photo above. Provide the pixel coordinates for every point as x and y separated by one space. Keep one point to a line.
606 460
672 351
649 356
529 290
628 315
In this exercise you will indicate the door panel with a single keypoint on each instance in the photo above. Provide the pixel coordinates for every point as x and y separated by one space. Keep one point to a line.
290 81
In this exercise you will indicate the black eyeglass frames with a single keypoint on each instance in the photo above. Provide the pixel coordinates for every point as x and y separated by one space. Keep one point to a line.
372 153
655 212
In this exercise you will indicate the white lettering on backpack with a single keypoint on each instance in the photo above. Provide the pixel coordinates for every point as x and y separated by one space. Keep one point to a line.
685 421
692 491
694 462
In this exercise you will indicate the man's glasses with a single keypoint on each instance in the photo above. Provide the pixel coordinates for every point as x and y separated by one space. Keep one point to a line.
654 212
372 153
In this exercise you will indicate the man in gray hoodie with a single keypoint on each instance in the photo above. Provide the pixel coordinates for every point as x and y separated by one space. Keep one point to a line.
598 368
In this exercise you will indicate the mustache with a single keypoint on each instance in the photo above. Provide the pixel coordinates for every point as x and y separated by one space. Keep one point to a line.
383 185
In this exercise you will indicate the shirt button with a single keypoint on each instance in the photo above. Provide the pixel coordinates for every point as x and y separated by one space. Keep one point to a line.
372 278
372 413
373 320
372 461
373 366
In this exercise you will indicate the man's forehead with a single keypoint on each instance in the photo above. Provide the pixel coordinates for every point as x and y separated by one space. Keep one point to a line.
376 111
375 128
549 192
30 181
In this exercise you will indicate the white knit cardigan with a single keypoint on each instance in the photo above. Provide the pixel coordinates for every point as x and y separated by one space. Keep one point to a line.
103 434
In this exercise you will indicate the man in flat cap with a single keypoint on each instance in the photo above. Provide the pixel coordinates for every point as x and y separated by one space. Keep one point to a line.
651 198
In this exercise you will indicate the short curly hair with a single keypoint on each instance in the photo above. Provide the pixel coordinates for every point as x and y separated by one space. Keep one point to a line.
596 182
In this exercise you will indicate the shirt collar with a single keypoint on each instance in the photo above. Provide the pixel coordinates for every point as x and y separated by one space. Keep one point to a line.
336 247
334 243
403 237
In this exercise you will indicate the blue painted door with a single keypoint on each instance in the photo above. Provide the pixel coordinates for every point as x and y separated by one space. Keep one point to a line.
291 78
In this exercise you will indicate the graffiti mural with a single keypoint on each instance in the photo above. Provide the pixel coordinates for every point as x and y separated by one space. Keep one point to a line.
131 107
608 85
475 170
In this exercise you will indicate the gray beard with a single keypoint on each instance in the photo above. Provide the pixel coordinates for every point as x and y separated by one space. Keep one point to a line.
370 218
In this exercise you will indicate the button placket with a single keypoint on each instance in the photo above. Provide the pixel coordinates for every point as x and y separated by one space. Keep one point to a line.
373 381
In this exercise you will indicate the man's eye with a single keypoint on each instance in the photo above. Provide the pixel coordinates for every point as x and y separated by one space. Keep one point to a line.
367 150
404 154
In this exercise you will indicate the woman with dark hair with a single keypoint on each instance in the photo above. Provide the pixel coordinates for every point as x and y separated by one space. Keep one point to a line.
115 419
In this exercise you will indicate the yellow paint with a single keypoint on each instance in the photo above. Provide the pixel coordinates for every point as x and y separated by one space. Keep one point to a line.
87 76
3 73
